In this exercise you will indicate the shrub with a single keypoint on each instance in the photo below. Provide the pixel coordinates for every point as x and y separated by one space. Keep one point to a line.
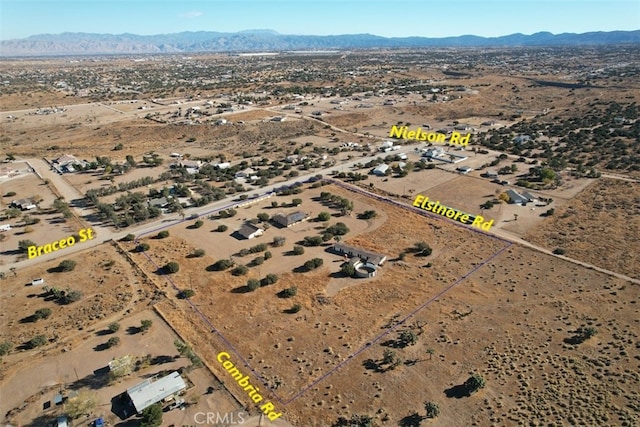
432 408
152 416
288 293
269 279
240 270
171 267
348 269
37 341
474 383
339 229
113 327
222 228
267 255
129 238
278 241
423 249
5 348
113 341
69 296
313 241
145 325
295 308
67 265
198 253
10 194
296 202
199 223
263 216
258 261
143 247
186 293
559 251
253 284
258 248
163 234
324 216
23 245
369 214
312 264
298 250
222 264
42 313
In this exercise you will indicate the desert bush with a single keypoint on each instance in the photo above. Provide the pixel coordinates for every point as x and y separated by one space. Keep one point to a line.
253 284
559 251
278 241
267 255
113 327
288 292
5 348
474 383
199 223
222 264
295 308
113 341
314 263
143 247
423 249
171 267
222 228
145 325
152 416
298 250
269 279
262 216
324 216
163 234
67 265
432 408
258 248
240 270
258 261
69 296
186 293
23 245
198 253
312 241
129 238
42 313
37 341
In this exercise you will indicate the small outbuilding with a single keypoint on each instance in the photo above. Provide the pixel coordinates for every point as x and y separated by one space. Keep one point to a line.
290 219
250 231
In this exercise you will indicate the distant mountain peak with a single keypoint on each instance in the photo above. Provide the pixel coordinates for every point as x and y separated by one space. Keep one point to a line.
269 40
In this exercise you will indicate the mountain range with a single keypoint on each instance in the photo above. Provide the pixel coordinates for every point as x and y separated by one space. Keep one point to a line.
268 40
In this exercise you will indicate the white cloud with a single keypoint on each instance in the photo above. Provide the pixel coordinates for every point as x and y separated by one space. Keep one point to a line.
191 15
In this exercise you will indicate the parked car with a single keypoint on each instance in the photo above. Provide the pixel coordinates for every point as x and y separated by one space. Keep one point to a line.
36 282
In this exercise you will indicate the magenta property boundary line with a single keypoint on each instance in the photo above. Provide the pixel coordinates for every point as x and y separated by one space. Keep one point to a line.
370 343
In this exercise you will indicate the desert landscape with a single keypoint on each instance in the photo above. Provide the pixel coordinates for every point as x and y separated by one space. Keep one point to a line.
257 207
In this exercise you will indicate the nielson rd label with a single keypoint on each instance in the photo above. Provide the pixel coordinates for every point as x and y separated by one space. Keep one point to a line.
84 235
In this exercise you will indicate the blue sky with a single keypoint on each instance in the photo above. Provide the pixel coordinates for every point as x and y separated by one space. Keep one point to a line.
390 18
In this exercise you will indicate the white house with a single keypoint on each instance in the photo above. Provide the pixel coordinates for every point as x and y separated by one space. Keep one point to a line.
250 231
381 169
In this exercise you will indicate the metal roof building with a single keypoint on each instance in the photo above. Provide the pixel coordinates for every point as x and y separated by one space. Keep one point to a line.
149 392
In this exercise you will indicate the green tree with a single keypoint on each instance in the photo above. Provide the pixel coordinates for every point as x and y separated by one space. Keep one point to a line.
163 234
288 292
23 245
296 202
298 250
152 416
222 228
112 342
37 341
253 284
129 238
262 216
186 293
145 325
240 270
348 269
113 327
67 265
42 313
474 383
324 216
5 348
269 279
199 223
171 267
143 247
423 249
408 337
432 408
278 241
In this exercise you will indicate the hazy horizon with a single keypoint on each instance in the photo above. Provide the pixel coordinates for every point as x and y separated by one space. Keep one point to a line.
404 18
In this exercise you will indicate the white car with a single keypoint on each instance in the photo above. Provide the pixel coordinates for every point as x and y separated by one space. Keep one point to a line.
36 282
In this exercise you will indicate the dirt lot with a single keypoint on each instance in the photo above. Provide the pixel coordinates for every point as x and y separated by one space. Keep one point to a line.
600 226
51 226
294 350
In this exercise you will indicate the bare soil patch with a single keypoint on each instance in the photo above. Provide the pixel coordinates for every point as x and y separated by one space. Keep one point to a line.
600 226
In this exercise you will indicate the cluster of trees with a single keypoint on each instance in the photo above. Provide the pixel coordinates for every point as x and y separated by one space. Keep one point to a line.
64 297
186 351
261 247
337 202
269 279
94 193
312 264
